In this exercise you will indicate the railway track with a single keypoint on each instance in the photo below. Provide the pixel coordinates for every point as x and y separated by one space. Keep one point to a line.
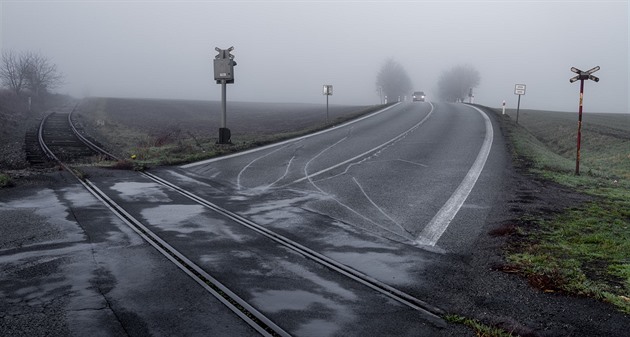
58 140
62 143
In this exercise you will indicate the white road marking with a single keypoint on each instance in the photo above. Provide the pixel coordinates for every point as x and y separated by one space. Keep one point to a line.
377 206
238 177
339 201
286 172
400 136
412 163
207 161
434 230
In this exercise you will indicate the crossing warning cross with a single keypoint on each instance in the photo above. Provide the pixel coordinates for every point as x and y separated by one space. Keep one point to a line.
581 76
584 75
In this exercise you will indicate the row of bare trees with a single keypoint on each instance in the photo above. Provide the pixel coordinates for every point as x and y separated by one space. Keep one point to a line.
457 83
28 72
454 84
392 81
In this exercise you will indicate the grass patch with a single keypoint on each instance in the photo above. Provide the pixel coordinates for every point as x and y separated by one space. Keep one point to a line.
174 147
585 250
5 181
481 330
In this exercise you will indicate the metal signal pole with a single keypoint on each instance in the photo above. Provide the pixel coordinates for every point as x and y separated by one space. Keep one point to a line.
579 132
224 73
582 76
327 91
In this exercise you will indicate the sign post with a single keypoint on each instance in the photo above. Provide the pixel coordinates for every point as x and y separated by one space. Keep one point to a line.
224 73
582 76
519 89
328 91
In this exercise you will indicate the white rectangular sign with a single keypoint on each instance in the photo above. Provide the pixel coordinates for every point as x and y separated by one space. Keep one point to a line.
519 89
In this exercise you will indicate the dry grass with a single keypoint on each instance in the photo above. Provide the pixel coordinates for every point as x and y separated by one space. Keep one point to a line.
167 132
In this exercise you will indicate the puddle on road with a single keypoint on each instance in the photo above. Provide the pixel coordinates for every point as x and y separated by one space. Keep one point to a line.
279 300
187 179
173 217
277 210
303 302
79 196
318 327
390 268
46 204
342 238
188 219
330 288
135 191
279 204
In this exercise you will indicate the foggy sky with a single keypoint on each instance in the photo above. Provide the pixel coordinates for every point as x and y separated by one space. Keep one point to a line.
286 50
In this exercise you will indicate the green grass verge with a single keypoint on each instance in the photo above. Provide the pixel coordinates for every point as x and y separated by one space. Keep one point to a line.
481 330
5 181
584 250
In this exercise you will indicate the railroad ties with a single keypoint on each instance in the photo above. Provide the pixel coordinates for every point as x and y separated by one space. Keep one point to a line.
34 153
58 135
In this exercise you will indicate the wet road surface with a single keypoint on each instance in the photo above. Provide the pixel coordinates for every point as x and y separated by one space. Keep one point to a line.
391 174
362 194
69 267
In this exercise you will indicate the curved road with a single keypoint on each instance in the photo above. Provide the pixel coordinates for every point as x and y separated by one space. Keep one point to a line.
416 173
386 195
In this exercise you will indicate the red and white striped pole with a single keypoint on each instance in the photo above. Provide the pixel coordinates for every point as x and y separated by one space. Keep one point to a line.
579 132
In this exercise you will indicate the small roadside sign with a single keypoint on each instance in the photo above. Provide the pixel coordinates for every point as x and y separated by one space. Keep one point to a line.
519 89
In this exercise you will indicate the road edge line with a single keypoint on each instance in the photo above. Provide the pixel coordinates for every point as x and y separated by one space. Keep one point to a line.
437 226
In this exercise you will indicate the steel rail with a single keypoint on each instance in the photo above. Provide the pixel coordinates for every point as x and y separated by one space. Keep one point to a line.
42 144
385 289
86 141
433 312
240 307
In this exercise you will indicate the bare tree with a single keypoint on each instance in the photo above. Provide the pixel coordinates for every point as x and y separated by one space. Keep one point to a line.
455 84
29 70
41 74
13 71
393 80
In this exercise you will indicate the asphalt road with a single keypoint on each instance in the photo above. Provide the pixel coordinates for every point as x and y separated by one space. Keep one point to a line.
302 297
387 195
416 173
405 196
69 267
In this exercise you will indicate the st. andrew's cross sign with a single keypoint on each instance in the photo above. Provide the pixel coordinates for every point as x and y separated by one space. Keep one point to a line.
584 75
581 76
